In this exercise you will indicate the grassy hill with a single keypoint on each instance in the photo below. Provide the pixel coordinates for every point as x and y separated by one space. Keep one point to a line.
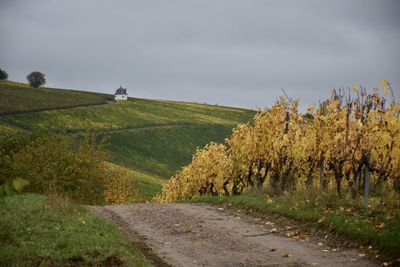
163 150
19 97
153 138
128 114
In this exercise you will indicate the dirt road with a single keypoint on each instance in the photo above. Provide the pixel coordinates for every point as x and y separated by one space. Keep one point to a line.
203 235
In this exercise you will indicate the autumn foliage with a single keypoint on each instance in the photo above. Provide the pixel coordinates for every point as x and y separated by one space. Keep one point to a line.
76 169
118 187
348 142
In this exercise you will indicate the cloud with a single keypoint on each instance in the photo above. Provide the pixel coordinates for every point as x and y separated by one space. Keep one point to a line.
226 52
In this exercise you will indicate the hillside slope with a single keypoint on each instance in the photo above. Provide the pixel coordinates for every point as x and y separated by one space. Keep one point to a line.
129 114
163 150
18 97
154 138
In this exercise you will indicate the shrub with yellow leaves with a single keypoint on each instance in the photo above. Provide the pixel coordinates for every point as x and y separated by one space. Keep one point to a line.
49 162
118 186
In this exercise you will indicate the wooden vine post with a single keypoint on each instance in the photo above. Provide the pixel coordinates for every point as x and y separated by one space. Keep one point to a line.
366 185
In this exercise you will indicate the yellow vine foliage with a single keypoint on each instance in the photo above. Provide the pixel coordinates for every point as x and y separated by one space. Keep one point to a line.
207 174
330 146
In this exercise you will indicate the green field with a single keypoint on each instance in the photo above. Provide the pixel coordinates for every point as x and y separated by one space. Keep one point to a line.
19 97
40 231
6 128
129 114
164 150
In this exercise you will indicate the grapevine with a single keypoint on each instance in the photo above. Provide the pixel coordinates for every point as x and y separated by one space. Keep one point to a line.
349 138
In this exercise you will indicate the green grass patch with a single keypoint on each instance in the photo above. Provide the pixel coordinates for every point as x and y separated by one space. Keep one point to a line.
19 97
162 151
35 231
149 185
129 114
8 129
379 225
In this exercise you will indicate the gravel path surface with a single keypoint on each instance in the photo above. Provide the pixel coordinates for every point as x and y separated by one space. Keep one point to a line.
203 235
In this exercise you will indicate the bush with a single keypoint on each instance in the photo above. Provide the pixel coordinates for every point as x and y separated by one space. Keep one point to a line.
36 79
49 162
119 188
3 75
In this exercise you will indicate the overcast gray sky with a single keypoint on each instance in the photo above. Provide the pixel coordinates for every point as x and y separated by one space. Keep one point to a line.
227 52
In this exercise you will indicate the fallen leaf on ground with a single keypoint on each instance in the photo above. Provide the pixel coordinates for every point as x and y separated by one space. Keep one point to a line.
286 255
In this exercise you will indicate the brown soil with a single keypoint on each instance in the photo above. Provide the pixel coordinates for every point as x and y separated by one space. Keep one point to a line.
204 235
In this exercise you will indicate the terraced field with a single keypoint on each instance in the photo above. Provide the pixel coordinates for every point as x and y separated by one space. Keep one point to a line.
18 97
128 114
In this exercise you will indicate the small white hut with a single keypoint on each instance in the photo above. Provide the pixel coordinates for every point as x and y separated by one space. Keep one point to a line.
121 94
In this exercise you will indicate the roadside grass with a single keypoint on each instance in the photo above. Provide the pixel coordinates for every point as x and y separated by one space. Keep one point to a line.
129 114
17 97
379 225
40 231
162 151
